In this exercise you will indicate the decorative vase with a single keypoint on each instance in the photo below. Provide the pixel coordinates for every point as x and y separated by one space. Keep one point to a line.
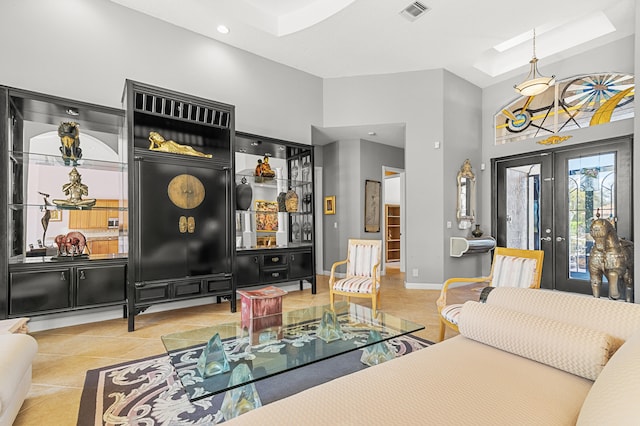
477 233
244 194
291 201
282 205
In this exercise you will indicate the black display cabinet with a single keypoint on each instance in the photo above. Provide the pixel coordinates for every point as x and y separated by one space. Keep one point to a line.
181 239
275 217
36 277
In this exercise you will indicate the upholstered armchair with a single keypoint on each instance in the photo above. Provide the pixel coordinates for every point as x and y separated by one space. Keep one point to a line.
510 268
363 272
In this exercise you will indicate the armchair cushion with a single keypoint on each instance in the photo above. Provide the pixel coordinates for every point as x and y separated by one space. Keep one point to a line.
361 258
355 285
577 350
511 271
452 312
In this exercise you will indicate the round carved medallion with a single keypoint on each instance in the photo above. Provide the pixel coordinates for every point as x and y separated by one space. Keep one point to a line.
186 191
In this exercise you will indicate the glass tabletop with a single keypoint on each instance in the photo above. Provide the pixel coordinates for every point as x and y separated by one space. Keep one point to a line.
274 344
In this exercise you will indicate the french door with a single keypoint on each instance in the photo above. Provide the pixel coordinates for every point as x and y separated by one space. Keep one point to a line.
548 200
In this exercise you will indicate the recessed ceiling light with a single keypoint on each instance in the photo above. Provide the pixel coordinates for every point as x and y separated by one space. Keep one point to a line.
223 29
372 133
72 111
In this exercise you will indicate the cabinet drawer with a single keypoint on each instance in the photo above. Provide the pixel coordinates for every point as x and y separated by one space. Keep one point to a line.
274 274
274 259
214 286
187 289
98 285
39 291
151 292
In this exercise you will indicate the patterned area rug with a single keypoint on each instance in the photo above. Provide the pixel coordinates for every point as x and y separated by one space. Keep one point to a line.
148 392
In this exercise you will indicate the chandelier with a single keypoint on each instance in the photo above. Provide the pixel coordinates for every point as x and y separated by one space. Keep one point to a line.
535 83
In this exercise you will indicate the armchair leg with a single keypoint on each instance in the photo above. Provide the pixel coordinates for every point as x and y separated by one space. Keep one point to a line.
442 330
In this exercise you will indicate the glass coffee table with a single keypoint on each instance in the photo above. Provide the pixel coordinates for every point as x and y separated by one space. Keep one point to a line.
277 343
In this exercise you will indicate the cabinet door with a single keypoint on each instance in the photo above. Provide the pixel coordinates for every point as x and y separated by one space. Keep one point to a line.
39 291
100 285
300 265
247 270
169 248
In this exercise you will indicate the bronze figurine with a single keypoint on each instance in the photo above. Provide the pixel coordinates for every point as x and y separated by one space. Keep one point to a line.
159 143
69 133
612 257
75 189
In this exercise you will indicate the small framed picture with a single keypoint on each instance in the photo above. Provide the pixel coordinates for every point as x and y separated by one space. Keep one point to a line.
330 205
56 216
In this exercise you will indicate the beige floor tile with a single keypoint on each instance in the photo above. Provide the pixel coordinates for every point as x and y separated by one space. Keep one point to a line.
65 354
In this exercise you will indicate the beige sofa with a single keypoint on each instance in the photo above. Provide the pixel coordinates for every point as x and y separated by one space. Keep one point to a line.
17 351
525 357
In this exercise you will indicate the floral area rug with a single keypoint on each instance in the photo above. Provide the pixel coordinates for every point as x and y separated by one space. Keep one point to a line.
148 391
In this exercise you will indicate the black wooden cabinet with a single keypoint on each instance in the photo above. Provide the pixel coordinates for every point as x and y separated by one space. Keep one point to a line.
181 244
62 287
274 237
34 278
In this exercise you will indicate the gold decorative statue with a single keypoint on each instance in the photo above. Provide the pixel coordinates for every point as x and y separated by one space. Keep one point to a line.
264 169
612 257
69 133
158 143
75 189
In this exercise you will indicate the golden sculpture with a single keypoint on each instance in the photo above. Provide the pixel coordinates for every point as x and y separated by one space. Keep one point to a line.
263 168
159 143
612 257
554 140
75 189
69 133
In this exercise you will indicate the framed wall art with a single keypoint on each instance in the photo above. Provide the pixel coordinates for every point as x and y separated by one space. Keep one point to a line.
330 205
56 216
371 206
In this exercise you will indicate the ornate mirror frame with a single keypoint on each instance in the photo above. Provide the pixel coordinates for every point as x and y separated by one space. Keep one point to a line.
466 196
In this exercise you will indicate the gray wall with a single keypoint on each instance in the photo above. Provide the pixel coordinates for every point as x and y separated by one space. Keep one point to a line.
85 50
348 164
418 100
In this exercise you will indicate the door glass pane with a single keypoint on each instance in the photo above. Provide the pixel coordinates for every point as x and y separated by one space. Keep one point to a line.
523 200
591 189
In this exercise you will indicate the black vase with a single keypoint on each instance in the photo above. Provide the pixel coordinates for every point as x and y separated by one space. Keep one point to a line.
244 194
477 232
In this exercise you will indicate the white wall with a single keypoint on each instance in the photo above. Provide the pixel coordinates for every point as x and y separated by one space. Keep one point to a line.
85 50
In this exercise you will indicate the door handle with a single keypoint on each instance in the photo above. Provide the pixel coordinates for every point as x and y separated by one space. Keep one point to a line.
560 239
545 238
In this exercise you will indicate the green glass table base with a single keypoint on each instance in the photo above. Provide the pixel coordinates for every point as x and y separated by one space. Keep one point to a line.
329 328
376 353
213 359
241 399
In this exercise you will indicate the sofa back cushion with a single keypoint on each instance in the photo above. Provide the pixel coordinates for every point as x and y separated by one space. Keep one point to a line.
571 348
618 319
613 398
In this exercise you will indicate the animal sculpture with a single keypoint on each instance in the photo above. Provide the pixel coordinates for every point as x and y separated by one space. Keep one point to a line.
72 244
611 257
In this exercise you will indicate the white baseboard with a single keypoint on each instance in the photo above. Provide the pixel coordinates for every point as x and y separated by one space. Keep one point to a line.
422 286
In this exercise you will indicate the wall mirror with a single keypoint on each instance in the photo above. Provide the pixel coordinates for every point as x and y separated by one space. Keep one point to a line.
466 199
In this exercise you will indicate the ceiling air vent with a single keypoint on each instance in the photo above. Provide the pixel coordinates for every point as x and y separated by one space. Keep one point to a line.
414 11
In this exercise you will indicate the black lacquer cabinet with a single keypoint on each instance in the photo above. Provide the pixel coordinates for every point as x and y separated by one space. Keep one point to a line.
275 233
36 278
181 244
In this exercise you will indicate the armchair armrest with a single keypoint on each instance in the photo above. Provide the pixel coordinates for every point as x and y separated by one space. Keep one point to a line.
442 300
333 270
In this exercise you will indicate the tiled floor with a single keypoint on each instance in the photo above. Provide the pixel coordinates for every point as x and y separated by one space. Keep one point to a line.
65 354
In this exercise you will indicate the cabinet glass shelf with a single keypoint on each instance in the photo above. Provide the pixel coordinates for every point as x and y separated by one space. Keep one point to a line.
53 207
57 161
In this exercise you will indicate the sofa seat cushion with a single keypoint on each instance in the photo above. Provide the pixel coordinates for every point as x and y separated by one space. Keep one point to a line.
451 312
458 381
355 285
574 349
613 399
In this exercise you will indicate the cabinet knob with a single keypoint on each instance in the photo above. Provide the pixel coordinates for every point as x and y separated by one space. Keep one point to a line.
275 274
255 259
275 259
63 277
82 276
293 257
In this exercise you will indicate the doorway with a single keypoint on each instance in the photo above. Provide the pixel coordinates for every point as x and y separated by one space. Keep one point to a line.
394 222
547 201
